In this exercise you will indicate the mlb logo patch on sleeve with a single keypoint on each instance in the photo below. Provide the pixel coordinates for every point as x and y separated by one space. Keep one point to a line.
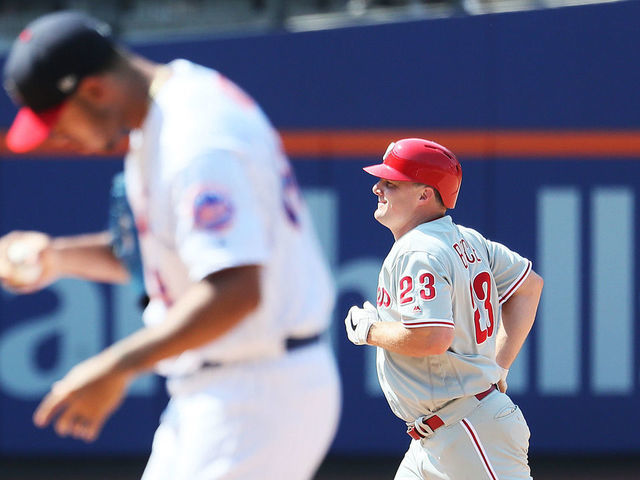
212 210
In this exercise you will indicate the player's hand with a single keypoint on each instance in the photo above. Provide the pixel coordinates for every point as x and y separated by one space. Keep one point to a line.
359 321
83 400
27 261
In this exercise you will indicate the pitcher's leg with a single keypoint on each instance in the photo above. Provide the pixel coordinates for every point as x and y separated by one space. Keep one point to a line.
160 465
275 419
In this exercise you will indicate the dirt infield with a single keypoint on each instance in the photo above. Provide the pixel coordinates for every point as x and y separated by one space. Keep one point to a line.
334 468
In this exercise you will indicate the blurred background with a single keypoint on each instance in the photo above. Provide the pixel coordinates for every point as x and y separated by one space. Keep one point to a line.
538 98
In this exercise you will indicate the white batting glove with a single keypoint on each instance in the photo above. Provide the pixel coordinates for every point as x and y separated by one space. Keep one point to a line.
359 321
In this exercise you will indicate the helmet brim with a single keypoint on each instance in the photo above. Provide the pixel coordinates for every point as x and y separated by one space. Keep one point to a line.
30 129
382 170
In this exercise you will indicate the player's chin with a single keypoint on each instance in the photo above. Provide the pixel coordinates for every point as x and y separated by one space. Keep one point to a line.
115 143
92 149
379 215
106 145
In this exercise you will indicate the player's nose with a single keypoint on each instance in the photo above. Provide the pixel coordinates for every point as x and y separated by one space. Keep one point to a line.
376 188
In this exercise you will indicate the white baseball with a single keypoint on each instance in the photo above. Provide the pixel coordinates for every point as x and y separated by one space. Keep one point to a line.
26 271
17 252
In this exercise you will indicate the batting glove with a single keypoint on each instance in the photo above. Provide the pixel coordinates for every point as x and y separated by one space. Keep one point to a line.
359 321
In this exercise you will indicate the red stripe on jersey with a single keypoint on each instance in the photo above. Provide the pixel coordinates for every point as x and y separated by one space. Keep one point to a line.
478 446
516 284
429 324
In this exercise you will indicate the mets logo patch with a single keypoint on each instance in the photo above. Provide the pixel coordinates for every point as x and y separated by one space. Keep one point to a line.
212 210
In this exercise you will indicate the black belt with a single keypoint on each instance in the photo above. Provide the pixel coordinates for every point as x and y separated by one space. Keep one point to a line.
290 344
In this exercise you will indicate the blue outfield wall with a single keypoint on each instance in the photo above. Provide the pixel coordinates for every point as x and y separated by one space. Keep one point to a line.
577 378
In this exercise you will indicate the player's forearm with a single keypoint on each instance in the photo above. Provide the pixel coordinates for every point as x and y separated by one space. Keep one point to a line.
89 257
417 342
518 315
207 311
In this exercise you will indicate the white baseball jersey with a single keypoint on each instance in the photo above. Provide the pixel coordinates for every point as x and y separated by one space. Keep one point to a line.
442 274
201 175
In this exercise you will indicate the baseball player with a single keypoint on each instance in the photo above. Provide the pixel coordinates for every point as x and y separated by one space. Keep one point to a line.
239 294
453 310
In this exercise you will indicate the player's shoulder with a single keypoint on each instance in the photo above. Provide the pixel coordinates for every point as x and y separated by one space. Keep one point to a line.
435 235
428 242
471 233
190 82
473 238
422 240
188 85
189 120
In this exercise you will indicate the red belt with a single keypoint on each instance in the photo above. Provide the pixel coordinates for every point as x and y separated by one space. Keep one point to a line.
434 422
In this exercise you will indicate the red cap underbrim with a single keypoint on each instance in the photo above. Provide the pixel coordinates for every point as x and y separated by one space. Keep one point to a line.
388 173
31 128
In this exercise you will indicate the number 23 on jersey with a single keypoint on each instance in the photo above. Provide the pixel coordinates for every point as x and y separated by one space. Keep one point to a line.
483 316
480 291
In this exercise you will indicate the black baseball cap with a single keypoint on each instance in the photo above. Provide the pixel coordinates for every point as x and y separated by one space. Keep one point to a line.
45 66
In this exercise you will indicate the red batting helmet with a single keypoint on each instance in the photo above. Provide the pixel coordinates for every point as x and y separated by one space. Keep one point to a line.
422 161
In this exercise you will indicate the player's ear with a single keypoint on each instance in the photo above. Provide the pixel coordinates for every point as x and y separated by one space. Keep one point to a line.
426 193
93 89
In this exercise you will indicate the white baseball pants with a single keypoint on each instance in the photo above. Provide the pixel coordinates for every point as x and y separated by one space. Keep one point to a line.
270 420
490 443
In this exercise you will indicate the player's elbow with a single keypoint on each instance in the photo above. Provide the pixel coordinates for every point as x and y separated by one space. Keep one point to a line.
253 299
250 293
431 341
442 340
240 288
